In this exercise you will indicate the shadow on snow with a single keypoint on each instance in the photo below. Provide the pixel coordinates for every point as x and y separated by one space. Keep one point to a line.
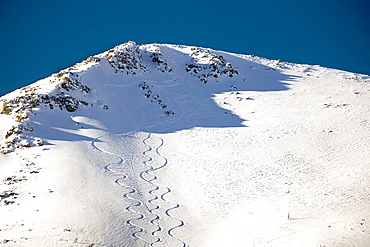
183 103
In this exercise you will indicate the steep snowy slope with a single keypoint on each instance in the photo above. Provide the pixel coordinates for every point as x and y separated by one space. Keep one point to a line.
169 145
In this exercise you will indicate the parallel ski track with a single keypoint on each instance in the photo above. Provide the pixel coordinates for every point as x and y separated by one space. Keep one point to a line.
185 98
156 220
150 204
157 187
165 163
136 203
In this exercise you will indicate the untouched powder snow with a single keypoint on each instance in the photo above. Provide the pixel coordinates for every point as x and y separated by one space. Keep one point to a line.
171 145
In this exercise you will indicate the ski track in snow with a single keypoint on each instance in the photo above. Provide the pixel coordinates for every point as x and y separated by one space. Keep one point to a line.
141 208
157 187
137 206
132 190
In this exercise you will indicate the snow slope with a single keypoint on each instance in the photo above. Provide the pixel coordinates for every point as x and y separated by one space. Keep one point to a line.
169 145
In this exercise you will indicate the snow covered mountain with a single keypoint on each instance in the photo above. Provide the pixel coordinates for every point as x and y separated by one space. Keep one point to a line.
172 145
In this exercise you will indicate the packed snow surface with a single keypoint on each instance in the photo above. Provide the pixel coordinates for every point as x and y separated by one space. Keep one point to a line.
170 145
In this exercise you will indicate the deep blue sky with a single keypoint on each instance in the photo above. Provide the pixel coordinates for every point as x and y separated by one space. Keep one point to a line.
38 38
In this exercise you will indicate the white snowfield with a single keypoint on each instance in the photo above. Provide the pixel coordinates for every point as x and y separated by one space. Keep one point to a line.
169 145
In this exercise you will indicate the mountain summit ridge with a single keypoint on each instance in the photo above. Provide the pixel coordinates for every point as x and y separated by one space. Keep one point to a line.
64 90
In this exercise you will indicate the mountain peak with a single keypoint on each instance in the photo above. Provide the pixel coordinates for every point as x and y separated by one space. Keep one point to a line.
66 90
152 67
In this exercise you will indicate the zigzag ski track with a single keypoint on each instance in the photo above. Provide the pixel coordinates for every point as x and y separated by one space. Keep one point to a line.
153 221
